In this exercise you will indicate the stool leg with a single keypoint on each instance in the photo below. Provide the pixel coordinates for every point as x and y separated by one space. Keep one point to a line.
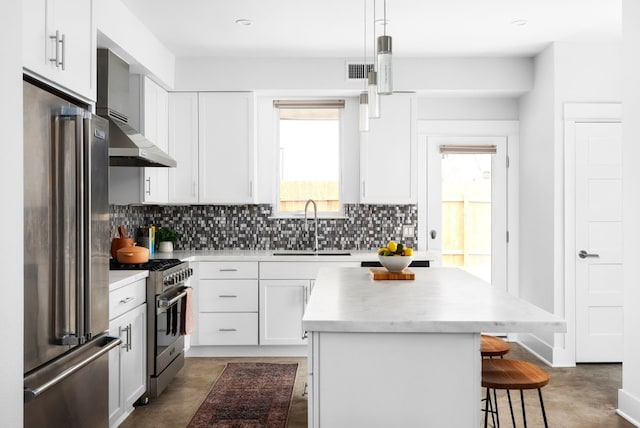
524 416
495 399
544 415
486 408
513 418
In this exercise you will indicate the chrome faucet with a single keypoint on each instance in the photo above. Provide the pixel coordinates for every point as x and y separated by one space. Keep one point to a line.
315 220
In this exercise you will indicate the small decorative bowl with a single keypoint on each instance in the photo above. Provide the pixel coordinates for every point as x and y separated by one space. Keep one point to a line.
395 263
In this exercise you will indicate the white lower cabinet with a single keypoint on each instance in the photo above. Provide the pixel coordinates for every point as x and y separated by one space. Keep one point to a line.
128 363
282 304
285 288
227 303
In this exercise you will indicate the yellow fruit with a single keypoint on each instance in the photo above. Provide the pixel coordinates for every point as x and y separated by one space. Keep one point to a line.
408 251
382 250
392 246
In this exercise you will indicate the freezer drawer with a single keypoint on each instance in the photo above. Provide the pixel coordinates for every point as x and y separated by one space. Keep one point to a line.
72 391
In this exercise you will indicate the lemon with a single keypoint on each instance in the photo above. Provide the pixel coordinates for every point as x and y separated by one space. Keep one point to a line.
392 246
408 251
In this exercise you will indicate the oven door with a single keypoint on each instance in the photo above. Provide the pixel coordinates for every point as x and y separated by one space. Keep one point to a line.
169 327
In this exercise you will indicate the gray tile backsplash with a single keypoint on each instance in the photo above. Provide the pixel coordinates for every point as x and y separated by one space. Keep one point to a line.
217 227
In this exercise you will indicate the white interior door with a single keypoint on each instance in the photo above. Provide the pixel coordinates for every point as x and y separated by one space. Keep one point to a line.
598 242
493 231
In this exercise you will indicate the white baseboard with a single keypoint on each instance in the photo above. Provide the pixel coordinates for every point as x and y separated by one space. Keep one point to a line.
247 351
551 356
629 407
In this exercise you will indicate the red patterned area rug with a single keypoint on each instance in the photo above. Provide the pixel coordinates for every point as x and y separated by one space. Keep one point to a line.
248 395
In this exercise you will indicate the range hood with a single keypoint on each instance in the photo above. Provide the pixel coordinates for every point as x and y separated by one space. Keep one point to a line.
127 146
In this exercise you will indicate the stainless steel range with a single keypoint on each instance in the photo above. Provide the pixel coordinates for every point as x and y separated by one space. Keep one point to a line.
166 304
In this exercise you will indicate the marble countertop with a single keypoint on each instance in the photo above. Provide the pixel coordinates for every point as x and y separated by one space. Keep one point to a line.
447 300
120 278
284 255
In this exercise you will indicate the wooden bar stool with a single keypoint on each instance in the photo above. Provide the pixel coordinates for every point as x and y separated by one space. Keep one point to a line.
492 346
513 375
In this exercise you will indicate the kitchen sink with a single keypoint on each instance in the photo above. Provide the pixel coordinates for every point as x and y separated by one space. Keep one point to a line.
312 253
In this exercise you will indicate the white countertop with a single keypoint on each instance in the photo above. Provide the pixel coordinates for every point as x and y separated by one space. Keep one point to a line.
120 278
287 255
446 300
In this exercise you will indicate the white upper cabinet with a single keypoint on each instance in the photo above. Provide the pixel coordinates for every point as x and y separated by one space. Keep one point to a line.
59 43
388 161
227 147
155 126
183 147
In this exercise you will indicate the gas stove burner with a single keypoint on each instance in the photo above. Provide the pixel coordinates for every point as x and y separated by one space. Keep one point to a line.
151 265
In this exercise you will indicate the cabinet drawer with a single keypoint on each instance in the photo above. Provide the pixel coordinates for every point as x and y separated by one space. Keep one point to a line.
127 298
228 295
228 270
228 329
298 270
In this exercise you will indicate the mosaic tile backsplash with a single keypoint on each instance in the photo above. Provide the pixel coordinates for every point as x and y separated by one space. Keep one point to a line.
251 227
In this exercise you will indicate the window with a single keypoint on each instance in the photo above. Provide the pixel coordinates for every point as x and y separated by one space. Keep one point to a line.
309 155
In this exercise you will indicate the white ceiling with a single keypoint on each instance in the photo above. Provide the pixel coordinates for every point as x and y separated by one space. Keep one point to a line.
335 28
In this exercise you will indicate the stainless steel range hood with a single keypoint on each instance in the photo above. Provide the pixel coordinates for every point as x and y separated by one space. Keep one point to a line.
127 146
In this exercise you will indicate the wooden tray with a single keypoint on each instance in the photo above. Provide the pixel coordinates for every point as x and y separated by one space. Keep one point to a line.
382 273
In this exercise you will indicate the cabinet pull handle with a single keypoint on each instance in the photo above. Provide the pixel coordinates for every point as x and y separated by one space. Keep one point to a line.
127 299
229 270
56 59
194 189
305 335
364 189
231 296
148 181
251 188
227 329
63 43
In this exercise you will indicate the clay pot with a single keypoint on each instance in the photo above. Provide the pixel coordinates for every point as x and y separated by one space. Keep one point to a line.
118 243
133 255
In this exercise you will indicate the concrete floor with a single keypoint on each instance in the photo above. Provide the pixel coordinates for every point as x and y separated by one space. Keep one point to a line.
583 397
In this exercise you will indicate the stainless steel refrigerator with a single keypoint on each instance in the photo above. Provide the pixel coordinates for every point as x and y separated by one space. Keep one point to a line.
66 262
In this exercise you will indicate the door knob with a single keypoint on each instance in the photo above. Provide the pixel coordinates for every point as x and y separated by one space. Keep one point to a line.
583 254
433 234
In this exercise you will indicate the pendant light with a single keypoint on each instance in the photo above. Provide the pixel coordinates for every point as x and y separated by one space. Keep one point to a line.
385 80
364 96
374 98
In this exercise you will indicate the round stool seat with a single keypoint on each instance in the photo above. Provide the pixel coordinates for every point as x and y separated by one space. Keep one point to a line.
512 374
492 346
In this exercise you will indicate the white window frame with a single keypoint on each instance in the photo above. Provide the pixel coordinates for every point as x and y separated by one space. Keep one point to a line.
300 214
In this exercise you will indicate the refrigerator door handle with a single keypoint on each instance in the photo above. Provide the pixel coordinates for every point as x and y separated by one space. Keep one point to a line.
31 394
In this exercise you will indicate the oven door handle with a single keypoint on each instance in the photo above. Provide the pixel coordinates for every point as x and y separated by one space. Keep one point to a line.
163 303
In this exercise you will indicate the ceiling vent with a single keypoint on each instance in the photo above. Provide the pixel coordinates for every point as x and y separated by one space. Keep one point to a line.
358 70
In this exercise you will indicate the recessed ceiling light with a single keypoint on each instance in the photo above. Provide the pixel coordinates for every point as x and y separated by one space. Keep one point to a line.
244 22
519 22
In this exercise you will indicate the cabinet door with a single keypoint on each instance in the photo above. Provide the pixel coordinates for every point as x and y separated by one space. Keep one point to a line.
116 401
226 147
128 363
74 49
183 147
134 357
282 304
155 126
388 164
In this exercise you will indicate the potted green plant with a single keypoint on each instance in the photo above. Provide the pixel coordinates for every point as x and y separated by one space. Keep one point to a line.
166 237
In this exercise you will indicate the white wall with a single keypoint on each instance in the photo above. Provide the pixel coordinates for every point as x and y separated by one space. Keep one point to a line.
629 395
467 108
490 75
121 31
564 72
11 315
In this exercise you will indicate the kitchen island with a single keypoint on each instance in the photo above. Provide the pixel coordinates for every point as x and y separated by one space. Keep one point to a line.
405 353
